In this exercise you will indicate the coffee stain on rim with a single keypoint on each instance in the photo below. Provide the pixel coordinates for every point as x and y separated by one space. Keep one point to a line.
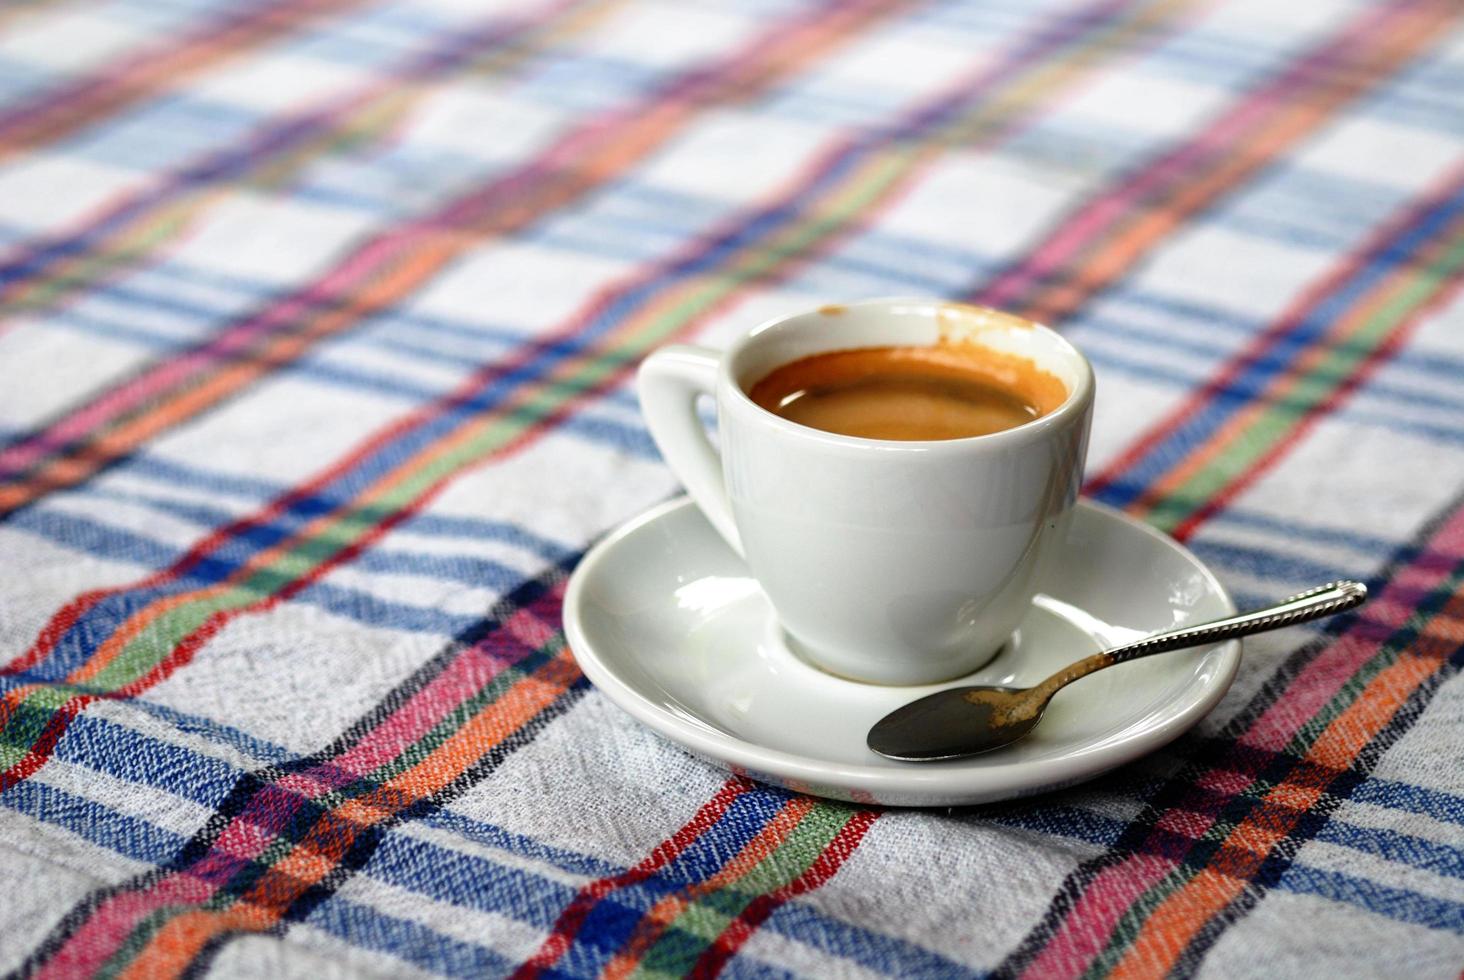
833 309
959 322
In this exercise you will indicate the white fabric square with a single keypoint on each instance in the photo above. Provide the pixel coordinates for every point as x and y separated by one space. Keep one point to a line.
273 240
45 371
667 35
736 156
48 192
1143 102
991 205
520 285
71 40
284 429
1380 151
276 81
481 123
1257 277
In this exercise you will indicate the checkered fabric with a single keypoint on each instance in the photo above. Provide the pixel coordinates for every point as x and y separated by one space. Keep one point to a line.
319 318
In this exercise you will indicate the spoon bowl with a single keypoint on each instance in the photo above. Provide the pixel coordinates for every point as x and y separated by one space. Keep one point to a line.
945 726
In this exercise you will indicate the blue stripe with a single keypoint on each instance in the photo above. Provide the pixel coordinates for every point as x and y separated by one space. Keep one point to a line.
430 869
1400 848
742 967
194 476
632 439
128 836
115 544
467 569
1201 426
1394 795
1393 903
94 537
1164 340
468 880
1274 564
403 939
835 937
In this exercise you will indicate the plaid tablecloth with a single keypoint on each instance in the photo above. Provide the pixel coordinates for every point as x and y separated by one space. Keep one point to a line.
318 323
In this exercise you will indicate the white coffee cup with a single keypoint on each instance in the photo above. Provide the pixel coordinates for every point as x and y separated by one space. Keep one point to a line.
886 561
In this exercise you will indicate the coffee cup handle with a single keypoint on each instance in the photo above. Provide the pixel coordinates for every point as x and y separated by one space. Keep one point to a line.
669 382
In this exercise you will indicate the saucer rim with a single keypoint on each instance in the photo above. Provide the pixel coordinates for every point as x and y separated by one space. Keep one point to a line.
973 780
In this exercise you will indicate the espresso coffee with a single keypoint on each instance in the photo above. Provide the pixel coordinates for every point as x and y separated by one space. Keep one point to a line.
945 391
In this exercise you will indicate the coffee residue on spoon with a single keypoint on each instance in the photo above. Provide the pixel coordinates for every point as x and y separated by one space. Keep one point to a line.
945 391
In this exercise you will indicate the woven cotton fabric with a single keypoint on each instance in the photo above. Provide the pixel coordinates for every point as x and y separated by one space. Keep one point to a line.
317 325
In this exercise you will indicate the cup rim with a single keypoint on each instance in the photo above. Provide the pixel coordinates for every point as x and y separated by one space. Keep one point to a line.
1078 398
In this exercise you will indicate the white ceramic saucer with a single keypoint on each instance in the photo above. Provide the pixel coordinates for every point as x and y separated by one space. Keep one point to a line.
665 619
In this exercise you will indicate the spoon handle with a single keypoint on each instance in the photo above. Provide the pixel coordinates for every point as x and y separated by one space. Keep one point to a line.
1334 597
1325 600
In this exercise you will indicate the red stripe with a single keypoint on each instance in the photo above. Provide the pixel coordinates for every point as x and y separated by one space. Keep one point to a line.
67 617
726 945
530 191
1264 343
512 362
1375 359
58 112
567 926
45 743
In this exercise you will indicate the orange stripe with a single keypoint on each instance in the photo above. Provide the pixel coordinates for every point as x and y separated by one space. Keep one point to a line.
1352 322
176 944
378 112
114 87
594 163
666 911
180 941
1171 927
1116 256
140 621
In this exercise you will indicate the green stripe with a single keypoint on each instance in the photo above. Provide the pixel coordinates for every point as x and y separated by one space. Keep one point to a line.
1421 286
1127 929
1311 390
843 205
357 130
136 941
709 917
228 894
676 950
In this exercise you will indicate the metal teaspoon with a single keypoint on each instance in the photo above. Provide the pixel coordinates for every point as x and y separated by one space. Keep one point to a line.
962 721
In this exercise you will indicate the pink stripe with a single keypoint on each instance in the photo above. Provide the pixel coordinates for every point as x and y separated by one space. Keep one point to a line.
1078 233
1086 928
1335 666
308 784
529 629
368 262
87 949
1185 823
462 679
242 838
355 271
1225 781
